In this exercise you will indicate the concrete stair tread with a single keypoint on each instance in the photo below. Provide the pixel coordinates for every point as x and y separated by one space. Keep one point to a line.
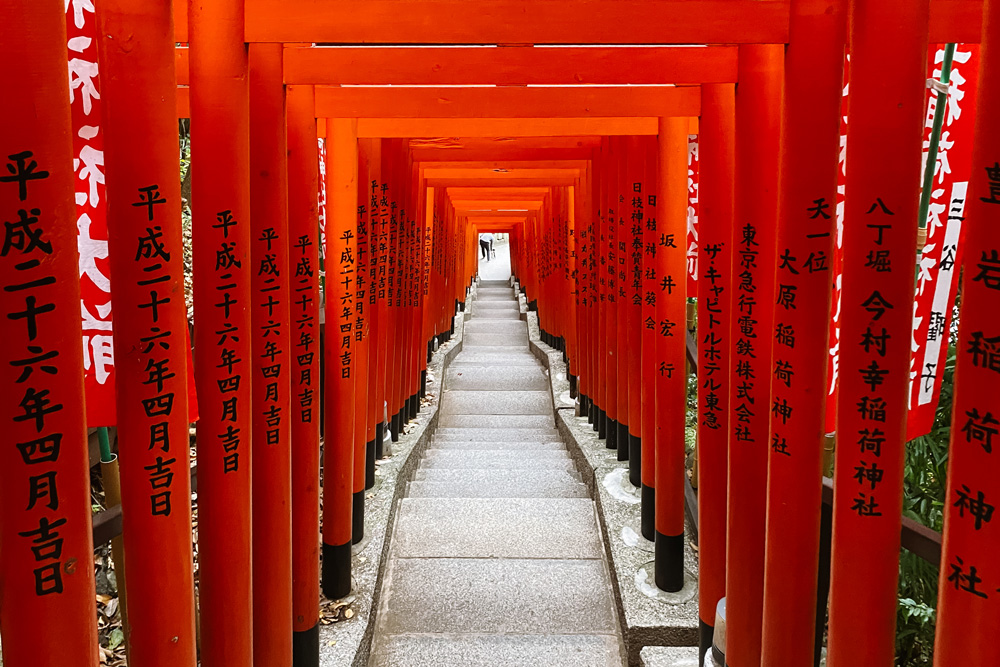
495 326
497 378
444 595
510 487
669 656
495 315
562 528
498 455
496 434
481 460
492 402
469 650
496 421
497 475
488 445
495 340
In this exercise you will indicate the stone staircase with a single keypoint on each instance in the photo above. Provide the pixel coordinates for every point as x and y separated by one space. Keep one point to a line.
496 556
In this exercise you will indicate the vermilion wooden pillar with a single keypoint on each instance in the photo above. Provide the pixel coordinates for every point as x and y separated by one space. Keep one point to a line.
652 261
304 367
220 108
670 350
620 189
968 611
46 552
884 123
810 143
600 283
358 328
715 232
338 461
147 270
609 206
633 213
272 363
758 111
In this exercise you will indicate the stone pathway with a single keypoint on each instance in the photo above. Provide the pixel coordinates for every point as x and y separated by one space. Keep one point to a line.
496 556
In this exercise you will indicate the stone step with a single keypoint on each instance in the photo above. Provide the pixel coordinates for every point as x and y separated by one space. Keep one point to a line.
496 403
481 298
470 650
538 456
496 314
494 283
503 291
502 460
504 596
500 378
669 656
494 340
495 421
485 476
497 433
489 446
489 326
498 305
510 486
484 356
563 528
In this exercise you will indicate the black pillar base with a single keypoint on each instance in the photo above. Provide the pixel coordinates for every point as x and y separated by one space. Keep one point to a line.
572 386
647 522
623 445
423 386
533 306
370 452
358 517
379 439
635 460
612 441
602 424
395 427
430 350
706 635
584 407
414 405
592 413
305 647
668 561
336 570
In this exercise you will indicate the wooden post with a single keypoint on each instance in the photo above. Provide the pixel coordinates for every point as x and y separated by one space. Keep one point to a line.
652 262
220 147
142 167
338 461
304 365
620 188
359 330
670 350
715 233
885 117
633 213
758 111
968 602
46 551
814 65
272 364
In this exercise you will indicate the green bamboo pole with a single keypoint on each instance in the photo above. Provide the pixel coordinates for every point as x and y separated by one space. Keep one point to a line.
935 142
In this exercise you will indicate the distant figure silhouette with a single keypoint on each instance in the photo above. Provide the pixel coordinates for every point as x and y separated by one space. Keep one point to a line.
486 245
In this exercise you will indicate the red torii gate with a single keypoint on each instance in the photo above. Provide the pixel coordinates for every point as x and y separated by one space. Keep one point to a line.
746 187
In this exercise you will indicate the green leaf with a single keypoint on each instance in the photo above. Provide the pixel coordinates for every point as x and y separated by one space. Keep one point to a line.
116 638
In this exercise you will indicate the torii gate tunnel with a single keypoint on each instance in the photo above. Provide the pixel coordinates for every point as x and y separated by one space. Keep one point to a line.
571 135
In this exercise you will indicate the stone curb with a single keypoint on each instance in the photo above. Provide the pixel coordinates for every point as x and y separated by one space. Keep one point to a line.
349 642
645 622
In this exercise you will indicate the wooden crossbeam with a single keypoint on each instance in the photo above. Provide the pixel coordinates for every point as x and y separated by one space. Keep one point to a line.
510 65
518 21
483 182
548 21
507 102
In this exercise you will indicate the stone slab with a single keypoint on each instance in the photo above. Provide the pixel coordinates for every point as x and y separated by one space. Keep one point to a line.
496 305
496 596
496 475
496 421
511 487
497 378
563 528
518 340
481 298
496 403
669 656
494 283
506 445
488 460
488 325
468 650
540 456
496 433
513 357
498 291
495 314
